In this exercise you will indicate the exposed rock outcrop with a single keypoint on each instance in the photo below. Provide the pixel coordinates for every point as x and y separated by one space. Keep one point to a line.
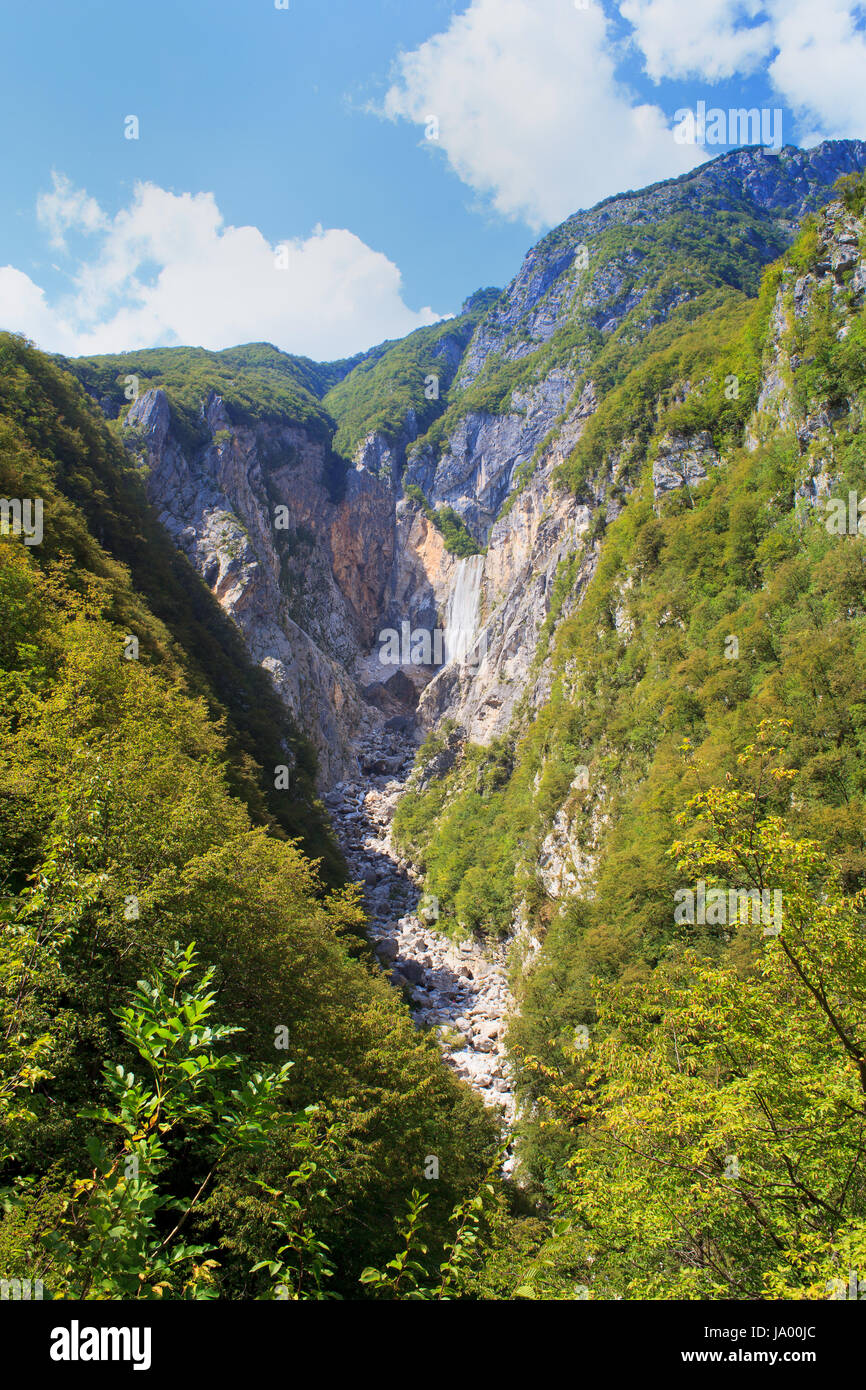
250 510
683 461
475 473
542 527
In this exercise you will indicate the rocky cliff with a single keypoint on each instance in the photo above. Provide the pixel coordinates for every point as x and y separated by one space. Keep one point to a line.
300 574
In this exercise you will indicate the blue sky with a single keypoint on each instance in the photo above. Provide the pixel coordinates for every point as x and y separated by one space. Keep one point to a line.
308 127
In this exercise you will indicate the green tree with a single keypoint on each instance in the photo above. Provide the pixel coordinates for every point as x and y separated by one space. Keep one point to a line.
723 1153
114 1239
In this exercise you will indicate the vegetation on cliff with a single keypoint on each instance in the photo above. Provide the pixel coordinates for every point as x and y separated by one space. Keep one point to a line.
451 527
411 377
651 1048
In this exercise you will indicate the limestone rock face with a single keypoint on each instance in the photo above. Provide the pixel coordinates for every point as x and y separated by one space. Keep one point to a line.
568 854
543 527
384 457
838 274
251 512
423 571
361 543
475 473
683 461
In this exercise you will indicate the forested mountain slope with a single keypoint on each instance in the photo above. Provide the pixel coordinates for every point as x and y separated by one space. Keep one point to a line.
692 1083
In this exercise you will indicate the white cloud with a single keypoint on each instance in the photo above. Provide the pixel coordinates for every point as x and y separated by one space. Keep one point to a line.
24 309
820 67
709 38
167 270
530 112
66 207
813 52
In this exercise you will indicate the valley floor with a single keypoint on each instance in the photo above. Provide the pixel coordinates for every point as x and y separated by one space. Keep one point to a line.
458 989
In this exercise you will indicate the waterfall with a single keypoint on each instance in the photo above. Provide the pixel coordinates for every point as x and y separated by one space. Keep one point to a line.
464 603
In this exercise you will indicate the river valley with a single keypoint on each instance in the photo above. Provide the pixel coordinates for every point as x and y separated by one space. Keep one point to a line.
454 988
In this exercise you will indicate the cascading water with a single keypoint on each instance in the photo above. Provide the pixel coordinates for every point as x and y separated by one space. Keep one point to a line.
462 612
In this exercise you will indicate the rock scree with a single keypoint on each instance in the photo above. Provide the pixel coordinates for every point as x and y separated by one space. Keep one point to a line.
458 989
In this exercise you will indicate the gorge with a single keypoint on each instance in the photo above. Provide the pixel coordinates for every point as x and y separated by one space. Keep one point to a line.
314 573
608 519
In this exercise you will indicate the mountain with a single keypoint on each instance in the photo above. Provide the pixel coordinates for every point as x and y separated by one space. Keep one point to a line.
555 630
392 468
689 722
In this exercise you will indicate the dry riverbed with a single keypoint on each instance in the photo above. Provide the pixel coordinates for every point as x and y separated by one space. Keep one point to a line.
459 990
